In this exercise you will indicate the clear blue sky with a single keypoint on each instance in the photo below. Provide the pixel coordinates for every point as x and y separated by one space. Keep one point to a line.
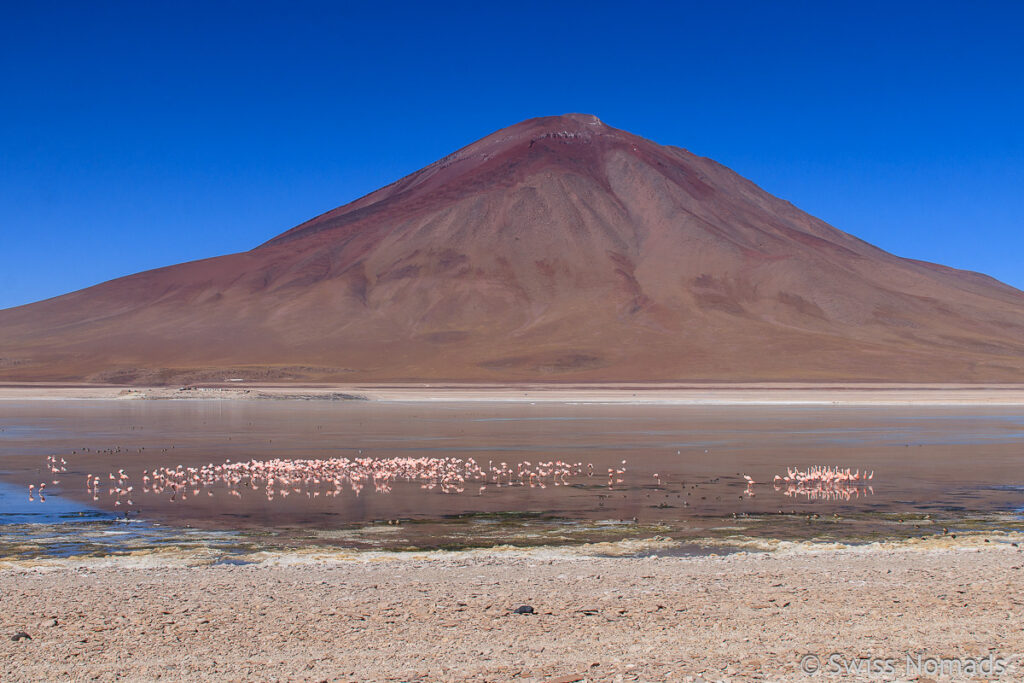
136 135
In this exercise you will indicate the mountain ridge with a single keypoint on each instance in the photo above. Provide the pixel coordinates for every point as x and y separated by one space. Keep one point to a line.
558 248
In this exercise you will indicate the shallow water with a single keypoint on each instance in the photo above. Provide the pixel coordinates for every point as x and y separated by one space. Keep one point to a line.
936 467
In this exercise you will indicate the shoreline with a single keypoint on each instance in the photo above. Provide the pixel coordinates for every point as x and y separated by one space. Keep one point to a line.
204 556
767 394
450 615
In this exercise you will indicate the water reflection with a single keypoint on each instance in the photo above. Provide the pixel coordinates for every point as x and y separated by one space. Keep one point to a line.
689 468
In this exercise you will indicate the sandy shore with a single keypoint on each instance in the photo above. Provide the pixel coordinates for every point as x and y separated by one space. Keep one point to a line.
446 617
669 394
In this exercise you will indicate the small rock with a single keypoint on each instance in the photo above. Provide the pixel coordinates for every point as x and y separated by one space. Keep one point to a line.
20 635
523 609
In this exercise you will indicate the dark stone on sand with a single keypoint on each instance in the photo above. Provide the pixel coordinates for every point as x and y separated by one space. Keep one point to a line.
523 609
20 635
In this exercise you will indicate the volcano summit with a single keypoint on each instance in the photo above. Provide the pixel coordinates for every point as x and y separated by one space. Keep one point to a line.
559 249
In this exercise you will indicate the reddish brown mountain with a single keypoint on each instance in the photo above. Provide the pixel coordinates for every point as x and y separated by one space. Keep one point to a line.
557 249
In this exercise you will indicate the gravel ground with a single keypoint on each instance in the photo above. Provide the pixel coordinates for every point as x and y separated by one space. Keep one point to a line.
448 616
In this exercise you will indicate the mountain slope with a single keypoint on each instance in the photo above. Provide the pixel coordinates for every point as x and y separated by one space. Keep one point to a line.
557 249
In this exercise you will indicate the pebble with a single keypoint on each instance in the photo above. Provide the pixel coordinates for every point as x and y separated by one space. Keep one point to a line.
524 609
706 624
20 635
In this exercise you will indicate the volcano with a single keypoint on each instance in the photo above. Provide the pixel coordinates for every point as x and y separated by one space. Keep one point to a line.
558 249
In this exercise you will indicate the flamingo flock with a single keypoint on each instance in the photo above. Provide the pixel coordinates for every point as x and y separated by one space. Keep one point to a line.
824 483
824 474
313 478
330 477
55 466
119 485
